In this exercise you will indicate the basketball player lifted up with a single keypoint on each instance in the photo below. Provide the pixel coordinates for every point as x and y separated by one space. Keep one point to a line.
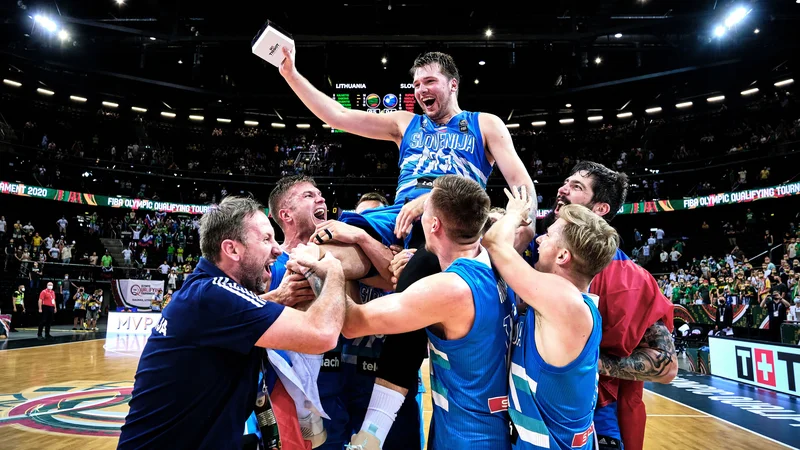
443 140
556 348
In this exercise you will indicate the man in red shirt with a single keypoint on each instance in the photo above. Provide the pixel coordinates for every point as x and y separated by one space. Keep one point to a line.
47 309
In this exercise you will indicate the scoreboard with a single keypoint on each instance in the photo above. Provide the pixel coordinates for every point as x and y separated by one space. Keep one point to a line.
374 98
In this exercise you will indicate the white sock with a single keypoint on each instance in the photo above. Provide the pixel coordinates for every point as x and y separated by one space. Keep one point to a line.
382 410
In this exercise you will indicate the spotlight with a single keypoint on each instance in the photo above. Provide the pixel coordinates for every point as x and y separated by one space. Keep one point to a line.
278 125
303 126
477 81
488 32
618 35
251 123
75 98
568 105
595 118
719 31
715 99
120 2
46 23
512 125
196 118
624 115
756 31
221 120
63 35
171 115
784 82
654 110
44 91
736 16
12 82
598 60
138 109
539 123
180 61
566 121
110 104
749 92
683 105
384 60
152 38
481 63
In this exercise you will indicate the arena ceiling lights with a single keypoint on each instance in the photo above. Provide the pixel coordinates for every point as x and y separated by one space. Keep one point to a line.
539 123
278 125
11 82
45 91
784 82
654 110
111 104
196 118
734 18
749 92
251 123
715 99
512 125
171 115
566 121
78 99
303 126
683 105
595 118
138 109
222 120
624 115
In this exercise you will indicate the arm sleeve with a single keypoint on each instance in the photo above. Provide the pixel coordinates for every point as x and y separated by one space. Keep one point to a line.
228 316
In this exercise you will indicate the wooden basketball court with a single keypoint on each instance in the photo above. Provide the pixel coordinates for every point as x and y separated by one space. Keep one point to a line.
75 395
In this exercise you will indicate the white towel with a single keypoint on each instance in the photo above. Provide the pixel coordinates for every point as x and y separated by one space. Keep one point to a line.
300 379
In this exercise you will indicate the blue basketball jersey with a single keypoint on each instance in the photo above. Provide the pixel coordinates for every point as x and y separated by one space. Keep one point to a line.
431 151
468 375
364 352
552 407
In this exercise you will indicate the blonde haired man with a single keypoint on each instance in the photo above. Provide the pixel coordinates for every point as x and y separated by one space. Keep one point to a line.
556 346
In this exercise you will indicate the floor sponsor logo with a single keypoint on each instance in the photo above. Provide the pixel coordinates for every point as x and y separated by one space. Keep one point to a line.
87 408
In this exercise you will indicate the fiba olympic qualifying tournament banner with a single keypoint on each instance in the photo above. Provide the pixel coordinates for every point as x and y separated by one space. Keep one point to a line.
653 206
138 293
23 190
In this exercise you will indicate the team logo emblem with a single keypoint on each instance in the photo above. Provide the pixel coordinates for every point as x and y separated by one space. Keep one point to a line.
84 408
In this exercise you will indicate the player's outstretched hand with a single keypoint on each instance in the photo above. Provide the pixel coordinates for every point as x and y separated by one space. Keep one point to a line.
410 212
287 67
294 289
519 204
333 230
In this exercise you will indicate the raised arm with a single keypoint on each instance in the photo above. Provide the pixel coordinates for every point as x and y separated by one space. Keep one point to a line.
432 300
379 255
554 298
386 127
316 330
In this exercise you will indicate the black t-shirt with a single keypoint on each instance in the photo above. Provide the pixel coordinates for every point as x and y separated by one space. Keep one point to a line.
776 311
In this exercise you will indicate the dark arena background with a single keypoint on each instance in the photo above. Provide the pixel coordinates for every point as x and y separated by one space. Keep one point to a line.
122 122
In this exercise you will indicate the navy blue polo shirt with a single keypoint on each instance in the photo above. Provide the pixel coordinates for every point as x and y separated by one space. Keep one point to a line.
198 374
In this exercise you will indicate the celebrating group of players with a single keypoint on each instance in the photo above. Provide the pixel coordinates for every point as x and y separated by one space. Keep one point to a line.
534 341
509 337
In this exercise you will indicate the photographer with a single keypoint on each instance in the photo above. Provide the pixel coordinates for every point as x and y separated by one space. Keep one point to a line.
79 309
776 309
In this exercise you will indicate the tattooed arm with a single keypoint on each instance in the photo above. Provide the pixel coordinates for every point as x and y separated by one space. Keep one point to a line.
653 360
316 330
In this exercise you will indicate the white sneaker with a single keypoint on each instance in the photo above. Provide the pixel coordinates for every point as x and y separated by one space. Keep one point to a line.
313 430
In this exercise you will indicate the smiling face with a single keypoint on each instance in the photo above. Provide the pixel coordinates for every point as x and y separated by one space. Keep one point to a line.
577 189
259 250
435 93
